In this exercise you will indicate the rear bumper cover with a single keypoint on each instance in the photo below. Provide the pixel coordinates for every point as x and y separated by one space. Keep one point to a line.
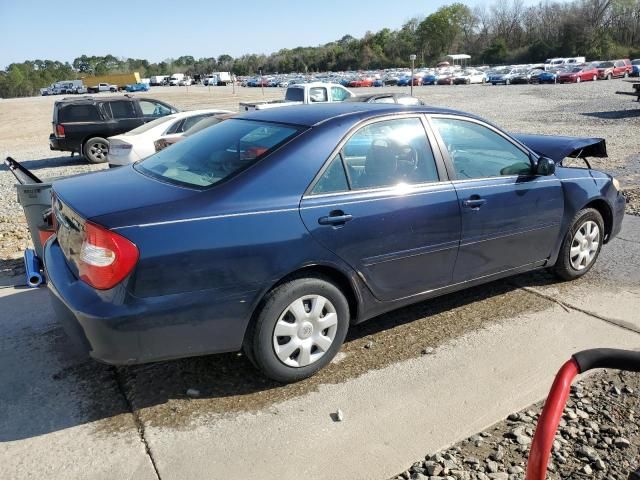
62 144
117 328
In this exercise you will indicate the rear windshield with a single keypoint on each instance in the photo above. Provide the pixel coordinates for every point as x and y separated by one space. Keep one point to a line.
294 94
216 153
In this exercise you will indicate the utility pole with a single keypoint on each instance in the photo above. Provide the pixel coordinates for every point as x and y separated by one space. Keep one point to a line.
412 57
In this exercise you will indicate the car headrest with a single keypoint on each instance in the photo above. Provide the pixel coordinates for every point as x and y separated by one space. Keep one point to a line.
381 160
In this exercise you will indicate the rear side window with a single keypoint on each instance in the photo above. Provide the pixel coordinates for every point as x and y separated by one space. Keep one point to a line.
318 94
78 113
334 178
216 153
294 94
191 121
122 109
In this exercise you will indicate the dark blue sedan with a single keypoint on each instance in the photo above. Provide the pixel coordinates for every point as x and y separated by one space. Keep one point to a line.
274 231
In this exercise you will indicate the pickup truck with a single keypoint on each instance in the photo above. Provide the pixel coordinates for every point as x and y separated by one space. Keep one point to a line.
83 124
102 87
303 93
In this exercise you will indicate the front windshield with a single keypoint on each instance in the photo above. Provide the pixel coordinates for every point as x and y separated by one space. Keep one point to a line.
605 65
216 153
149 125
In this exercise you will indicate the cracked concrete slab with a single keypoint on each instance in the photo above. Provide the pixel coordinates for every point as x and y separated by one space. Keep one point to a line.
611 289
61 416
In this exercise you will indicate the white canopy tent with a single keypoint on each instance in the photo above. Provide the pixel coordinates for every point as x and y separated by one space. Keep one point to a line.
461 58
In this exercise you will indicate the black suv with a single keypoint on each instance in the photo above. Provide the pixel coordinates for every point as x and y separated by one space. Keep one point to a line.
82 124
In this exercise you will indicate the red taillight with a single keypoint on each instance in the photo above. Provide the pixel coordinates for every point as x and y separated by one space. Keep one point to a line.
60 131
105 257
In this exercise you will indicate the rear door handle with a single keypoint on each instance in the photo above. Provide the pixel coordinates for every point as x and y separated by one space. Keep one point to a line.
474 202
337 217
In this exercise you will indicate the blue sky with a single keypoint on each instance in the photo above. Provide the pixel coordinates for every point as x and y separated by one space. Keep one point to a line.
159 29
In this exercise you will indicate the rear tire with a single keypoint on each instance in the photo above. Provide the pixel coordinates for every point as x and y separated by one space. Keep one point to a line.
595 78
609 77
95 150
581 245
298 329
578 80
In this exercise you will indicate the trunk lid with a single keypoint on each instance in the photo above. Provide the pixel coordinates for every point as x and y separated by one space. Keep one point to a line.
558 148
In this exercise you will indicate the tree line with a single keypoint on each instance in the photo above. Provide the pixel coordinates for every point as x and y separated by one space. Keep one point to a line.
503 32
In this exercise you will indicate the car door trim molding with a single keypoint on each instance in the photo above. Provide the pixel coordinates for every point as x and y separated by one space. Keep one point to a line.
209 217
476 240
414 252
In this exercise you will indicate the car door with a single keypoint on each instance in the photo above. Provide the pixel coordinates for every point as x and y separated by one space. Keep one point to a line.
384 205
510 217
124 116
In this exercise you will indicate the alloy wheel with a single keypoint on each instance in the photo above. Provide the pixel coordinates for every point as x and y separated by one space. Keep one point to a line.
98 151
305 331
584 246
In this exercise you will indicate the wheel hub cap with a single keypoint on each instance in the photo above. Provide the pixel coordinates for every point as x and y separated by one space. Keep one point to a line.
584 246
305 331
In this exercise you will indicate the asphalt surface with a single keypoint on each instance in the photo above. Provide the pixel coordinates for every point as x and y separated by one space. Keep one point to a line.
496 349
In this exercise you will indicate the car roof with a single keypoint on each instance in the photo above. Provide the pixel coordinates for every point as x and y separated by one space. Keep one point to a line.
369 96
312 115
91 99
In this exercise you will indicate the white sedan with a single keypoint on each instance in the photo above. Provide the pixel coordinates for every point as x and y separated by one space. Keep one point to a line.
138 144
470 76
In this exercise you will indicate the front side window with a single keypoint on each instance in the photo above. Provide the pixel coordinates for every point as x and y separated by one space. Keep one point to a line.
216 153
339 94
478 152
389 153
154 109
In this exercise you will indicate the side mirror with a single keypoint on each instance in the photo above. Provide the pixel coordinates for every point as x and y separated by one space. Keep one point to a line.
545 166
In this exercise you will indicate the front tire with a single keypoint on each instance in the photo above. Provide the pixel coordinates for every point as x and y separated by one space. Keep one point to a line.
581 245
95 150
298 329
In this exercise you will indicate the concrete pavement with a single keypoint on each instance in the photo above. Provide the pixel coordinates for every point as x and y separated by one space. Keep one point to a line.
65 417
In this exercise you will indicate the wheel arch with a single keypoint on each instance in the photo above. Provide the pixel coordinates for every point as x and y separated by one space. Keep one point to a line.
602 207
345 281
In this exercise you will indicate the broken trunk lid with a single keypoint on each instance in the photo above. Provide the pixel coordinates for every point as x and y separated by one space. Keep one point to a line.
558 148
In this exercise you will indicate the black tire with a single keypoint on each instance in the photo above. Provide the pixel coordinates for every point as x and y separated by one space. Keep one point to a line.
259 340
626 74
507 82
95 150
563 267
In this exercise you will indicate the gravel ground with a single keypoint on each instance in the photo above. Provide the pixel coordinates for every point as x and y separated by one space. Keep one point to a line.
599 437
587 109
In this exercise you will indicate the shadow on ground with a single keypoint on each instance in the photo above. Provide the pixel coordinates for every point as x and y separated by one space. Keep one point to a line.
615 115
76 390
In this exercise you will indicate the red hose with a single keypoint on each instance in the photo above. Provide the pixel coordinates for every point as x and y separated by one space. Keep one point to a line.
549 420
